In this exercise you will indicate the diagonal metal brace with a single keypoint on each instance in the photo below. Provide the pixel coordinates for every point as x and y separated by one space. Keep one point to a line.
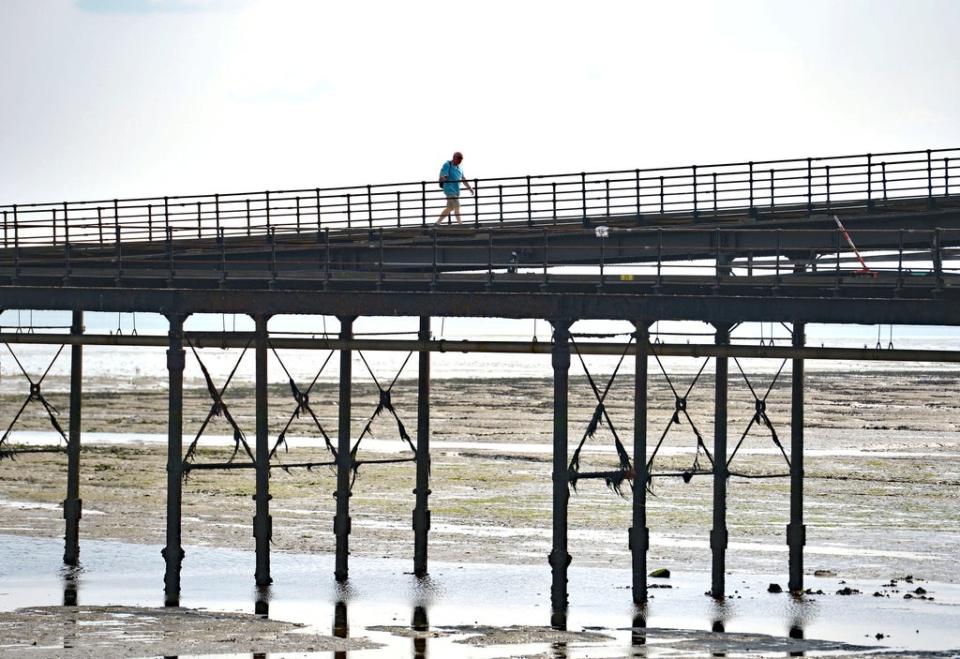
600 415
680 409
219 408
384 403
302 400
34 395
760 413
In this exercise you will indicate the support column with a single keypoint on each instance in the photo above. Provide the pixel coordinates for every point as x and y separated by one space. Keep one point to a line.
421 513
639 533
796 531
341 522
73 505
718 535
262 522
173 552
559 558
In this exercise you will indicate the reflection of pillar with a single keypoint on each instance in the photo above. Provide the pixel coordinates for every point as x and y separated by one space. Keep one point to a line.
72 505
262 522
639 533
796 531
718 535
262 605
420 624
340 627
421 513
341 522
559 558
173 552
69 588
638 634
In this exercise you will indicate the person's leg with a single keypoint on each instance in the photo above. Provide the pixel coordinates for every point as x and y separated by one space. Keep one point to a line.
446 211
456 208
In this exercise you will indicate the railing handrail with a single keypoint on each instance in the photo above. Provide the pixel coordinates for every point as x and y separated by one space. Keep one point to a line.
363 187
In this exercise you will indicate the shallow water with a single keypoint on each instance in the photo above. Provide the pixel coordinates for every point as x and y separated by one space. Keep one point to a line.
382 593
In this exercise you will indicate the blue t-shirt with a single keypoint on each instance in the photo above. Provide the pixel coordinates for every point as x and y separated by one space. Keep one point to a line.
454 175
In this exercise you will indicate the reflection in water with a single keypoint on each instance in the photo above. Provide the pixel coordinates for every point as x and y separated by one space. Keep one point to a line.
70 578
262 605
559 650
638 635
558 619
420 624
341 629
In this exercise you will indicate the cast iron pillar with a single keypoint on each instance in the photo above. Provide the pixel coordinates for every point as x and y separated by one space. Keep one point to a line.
341 522
718 534
421 513
639 533
262 522
559 558
73 505
173 552
796 531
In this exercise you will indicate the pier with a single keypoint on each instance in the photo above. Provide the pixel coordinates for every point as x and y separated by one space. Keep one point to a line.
868 239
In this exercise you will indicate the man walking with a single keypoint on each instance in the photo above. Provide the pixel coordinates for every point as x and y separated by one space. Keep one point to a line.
451 176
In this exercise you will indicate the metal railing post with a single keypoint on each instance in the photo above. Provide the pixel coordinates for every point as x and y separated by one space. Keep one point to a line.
829 201
809 186
883 172
216 212
199 221
750 174
583 197
249 220
399 211
369 207
319 223
553 197
500 201
476 203
529 204
869 180
929 178
636 181
773 194
696 211
349 223
423 203
267 204
296 200
661 195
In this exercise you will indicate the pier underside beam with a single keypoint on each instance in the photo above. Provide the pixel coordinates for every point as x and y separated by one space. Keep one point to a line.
73 505
341 521
421 513
718 534
173 551
559 557
639 533
262 522
796 531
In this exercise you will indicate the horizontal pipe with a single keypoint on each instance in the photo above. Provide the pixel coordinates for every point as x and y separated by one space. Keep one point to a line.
242 339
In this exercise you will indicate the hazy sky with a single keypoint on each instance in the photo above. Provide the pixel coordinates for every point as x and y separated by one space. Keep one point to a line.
104 98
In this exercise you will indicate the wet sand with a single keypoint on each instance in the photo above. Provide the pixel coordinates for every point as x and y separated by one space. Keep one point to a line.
882 467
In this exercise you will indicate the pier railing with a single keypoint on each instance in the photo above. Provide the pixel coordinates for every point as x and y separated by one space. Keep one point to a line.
762 188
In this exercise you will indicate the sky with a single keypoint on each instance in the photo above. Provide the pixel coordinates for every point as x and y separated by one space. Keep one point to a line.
126 98
119 98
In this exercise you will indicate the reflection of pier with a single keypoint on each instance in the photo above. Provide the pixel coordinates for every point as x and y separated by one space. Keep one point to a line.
869 240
